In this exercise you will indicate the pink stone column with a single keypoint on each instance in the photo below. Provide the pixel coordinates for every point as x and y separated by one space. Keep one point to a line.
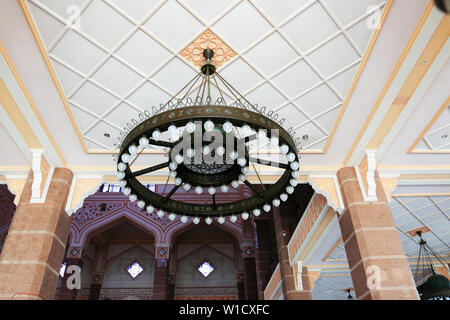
35 245
378 265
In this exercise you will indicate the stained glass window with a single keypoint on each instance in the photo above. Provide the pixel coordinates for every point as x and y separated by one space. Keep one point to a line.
205 269
134 269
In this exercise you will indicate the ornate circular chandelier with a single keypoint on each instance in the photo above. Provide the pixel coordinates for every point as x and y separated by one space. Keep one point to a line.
208 150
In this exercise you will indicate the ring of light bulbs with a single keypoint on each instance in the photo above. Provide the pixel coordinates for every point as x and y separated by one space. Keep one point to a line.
138 139
208 116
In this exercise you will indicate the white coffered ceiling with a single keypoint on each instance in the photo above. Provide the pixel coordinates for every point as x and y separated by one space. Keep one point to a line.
296 57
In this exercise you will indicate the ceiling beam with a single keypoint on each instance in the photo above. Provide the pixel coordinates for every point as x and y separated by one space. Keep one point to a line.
19 108
377 125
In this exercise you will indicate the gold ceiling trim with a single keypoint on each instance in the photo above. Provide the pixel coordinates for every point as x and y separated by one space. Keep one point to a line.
208 40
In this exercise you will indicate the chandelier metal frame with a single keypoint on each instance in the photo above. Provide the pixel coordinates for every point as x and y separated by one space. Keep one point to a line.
241 123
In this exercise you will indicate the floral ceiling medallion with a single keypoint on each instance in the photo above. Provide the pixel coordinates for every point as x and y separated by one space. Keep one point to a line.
208 39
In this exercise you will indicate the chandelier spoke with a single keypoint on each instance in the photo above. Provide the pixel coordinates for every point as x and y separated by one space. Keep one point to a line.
150 169
161 143
269 163
174 189
251 186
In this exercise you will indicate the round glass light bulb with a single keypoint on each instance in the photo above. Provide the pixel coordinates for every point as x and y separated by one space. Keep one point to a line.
172 174
121 166
196 220
190 127
267 207
173 166
209 126
274 140
126 191
246 129
242 177
233 155
256 212
295 165
276 202
290 189
156 135
187 187
179 158
150 208
293 182
132 197
183 219
126 157
120 175
228 127
233 218
295 174
178 181
224 188
244 215
221 220
261 134
283 197
172 129
123 183
235 184
290 156
208 220
206 150
141 204
284 149
190 152
242 162
160 213
133 149
245 170
143 141
172 216
220 150
211 190
198 190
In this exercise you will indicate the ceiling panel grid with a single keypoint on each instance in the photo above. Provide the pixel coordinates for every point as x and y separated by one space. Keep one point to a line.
116 58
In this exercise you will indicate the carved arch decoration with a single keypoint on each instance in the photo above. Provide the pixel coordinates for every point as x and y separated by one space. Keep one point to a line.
90 217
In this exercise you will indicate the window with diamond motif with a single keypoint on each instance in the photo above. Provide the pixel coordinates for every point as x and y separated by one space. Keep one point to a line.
206 268
134 269
62 269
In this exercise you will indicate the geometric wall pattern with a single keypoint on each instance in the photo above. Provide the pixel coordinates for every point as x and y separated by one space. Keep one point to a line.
116 58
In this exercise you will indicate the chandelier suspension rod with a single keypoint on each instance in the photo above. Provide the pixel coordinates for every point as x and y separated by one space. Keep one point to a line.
188 91
218 88
228 85
194 78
